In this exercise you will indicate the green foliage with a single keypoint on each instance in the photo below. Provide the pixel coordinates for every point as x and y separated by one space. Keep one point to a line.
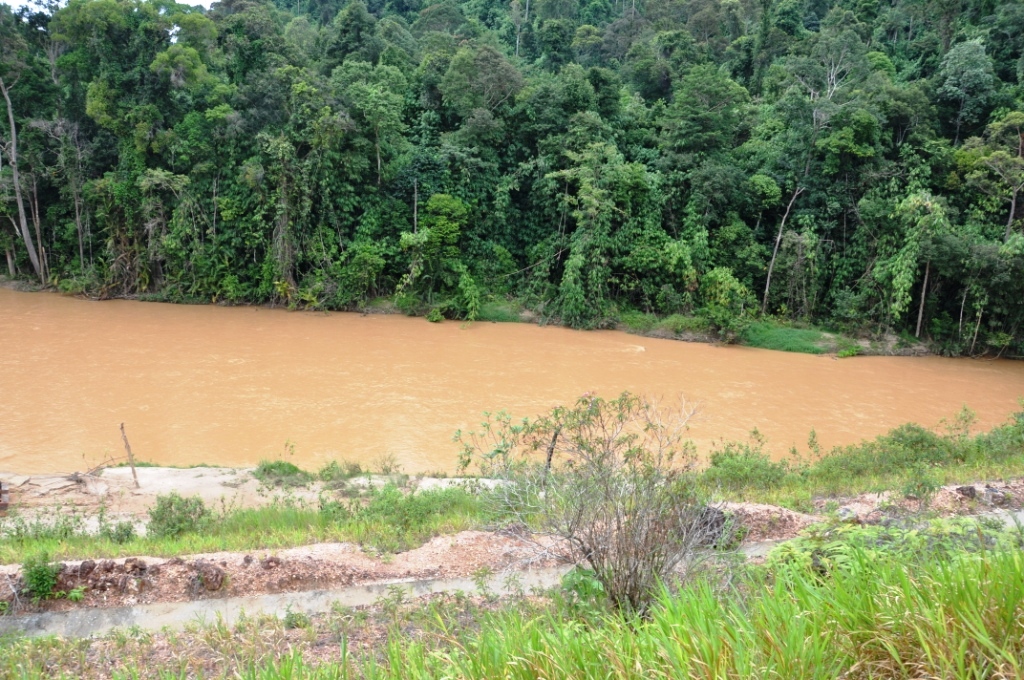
825 548
726 303
738 466
120 533
293 619
394 521
39 576
173 515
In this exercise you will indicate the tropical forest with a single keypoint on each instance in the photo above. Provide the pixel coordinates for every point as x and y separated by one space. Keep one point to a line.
854 165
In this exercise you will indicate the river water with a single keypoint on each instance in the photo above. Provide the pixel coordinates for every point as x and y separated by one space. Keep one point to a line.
232 386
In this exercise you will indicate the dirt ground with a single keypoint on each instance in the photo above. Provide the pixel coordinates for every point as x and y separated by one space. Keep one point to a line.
139 580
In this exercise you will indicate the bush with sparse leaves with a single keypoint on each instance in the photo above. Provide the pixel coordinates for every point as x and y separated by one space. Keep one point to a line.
613 480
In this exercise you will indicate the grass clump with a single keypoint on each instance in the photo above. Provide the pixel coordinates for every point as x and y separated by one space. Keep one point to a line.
783 338
281 473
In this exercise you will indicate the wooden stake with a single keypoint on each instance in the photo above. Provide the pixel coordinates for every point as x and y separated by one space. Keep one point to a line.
131 458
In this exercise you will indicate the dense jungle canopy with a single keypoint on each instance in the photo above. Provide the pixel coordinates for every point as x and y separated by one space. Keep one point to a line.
857 164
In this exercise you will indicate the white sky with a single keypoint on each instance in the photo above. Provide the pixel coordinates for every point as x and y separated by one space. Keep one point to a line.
15 4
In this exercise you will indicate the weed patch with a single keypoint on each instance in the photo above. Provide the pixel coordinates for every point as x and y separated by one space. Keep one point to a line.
783 338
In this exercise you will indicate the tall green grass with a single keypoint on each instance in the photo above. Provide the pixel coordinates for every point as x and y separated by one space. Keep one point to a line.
958 619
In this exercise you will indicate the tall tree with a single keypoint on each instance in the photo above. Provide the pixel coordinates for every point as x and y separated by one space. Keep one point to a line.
13 49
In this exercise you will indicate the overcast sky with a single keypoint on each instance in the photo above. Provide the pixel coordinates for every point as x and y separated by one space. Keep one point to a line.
21 3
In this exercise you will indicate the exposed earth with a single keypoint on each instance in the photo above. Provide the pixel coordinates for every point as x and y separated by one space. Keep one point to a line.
142 579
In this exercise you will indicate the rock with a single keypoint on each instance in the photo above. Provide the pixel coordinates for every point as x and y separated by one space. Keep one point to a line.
134 566
209 574
967 492
271 562
248 560
845 514
106 566
711 526
86 568
994 496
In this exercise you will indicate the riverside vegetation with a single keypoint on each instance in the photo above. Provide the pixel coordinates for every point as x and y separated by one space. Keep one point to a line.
701 163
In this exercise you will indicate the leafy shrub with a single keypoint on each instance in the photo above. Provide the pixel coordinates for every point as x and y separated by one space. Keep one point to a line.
174 515
334 511
905 448
726 303
739 466
583 591
121 533
612 480
39 576
498 311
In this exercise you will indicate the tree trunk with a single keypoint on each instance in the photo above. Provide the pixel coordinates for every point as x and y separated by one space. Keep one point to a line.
78 227
976 327
26 235
10 262
775 252
924 292
963 303
1013 211
36 221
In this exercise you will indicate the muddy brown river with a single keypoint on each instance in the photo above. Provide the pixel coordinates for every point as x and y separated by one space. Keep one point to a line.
232 386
